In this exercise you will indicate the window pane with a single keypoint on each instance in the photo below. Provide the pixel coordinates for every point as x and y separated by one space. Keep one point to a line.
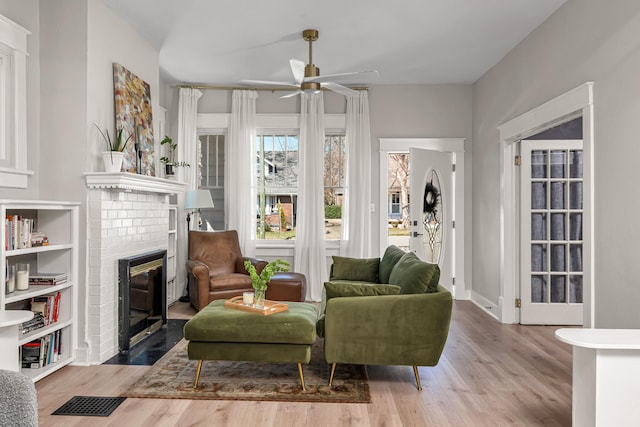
334 166
558 162
212 179
538 226
558 289
277 189
538 195
539 288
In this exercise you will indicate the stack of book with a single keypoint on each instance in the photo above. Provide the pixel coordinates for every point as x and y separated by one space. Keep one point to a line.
37 322
47 278
38 239
42 351
48 306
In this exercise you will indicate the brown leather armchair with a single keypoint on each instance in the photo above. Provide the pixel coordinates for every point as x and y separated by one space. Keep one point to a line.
216 271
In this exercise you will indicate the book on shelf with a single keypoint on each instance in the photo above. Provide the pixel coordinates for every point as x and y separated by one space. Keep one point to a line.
42 351
48 278
36 322
31 354
48 306
20 233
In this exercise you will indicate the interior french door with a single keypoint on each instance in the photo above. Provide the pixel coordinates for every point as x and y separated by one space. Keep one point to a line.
551 206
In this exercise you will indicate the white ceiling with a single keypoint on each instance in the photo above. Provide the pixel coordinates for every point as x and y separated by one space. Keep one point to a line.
408 41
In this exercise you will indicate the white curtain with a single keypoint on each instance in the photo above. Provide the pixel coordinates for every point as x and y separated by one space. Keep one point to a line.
188 135
356 217
310 258
239 189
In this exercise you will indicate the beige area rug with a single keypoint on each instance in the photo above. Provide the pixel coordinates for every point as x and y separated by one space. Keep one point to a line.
172 378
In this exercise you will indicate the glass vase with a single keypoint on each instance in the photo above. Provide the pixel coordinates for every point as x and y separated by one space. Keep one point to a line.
258 299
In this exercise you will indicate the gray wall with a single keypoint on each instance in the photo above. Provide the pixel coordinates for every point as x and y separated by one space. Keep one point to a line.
585 40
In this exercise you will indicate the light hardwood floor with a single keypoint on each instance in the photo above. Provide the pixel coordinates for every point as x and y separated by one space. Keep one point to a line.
489 375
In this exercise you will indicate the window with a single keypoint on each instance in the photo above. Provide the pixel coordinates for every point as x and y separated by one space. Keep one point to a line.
277 175
395 205
13 106
334 165
212 178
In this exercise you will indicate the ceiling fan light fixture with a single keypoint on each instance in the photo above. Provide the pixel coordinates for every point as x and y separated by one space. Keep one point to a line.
310 87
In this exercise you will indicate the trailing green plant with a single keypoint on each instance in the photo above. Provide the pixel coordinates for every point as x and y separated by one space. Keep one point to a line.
260 281
170 158
117 144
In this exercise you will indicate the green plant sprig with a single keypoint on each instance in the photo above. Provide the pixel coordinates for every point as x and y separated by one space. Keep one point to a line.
170 157
260 281
116 145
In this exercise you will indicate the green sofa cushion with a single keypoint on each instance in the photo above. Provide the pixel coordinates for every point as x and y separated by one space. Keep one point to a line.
216 323
362 270
335 289
415 276
391 256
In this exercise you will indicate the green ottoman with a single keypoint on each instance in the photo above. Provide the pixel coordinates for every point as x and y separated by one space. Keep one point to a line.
220 333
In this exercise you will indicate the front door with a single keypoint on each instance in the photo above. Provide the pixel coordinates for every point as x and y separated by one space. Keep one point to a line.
551 273
432 215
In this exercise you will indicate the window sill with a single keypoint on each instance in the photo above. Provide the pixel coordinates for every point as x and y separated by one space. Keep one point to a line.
289 245
14 178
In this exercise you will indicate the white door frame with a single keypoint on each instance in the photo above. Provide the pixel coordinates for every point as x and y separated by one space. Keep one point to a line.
568 106
450 145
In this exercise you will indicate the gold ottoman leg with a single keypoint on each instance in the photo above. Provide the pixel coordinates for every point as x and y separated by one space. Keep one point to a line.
195 383
415 372
333 371
301 376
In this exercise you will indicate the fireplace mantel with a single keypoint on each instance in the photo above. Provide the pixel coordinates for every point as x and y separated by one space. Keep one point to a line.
133 182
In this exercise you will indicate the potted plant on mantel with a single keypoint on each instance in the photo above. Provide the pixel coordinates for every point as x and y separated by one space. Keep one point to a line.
260 281
170 159
113 155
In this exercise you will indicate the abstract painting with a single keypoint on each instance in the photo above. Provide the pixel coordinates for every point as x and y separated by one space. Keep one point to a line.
133 115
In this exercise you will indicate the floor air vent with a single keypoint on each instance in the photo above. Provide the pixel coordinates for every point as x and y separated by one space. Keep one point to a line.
89 406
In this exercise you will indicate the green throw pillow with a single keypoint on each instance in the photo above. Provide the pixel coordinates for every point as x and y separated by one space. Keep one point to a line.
391 256
336 289
357 269
415 276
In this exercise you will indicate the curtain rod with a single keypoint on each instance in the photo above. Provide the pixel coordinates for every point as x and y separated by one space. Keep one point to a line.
264 88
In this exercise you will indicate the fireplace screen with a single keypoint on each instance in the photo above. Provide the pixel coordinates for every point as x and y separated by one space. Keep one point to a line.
142 299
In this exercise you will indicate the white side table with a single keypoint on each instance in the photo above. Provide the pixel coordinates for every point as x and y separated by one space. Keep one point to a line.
606 376
10 321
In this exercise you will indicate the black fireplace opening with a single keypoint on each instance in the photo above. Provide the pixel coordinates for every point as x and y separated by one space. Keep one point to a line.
142 297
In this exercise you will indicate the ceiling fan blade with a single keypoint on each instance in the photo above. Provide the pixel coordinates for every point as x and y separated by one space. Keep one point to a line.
297 69
268 83
354 76
343 90
291 94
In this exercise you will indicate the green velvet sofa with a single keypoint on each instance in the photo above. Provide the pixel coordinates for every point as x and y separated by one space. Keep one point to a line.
388 311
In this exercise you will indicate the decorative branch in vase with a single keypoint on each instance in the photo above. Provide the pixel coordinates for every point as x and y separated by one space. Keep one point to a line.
260 281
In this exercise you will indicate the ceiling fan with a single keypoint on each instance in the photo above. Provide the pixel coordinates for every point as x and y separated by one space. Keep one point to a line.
307 78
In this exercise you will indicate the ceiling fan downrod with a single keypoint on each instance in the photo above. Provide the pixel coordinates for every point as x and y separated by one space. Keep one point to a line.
310 70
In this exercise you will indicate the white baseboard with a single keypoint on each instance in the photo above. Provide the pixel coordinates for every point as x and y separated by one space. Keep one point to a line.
485 305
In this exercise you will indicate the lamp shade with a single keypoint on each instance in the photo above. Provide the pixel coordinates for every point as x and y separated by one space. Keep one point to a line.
198 199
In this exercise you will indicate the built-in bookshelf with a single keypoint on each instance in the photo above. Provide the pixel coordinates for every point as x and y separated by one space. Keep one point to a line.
172 291
49 245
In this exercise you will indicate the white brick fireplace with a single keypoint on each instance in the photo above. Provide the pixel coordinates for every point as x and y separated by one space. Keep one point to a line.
127 215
